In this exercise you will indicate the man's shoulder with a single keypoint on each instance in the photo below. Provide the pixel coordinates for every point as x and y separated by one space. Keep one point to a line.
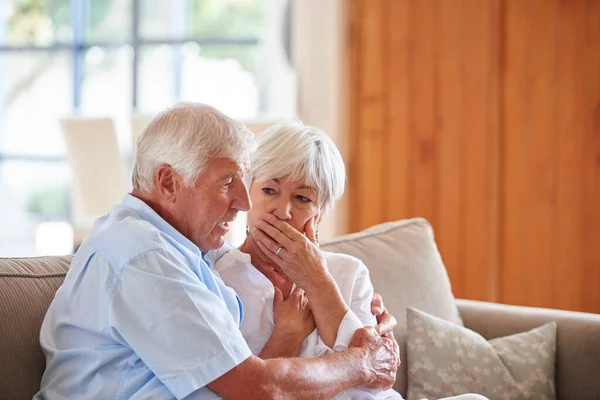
122 235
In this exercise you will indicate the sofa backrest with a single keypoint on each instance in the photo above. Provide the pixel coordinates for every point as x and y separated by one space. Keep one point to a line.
27 286
407 270
402 257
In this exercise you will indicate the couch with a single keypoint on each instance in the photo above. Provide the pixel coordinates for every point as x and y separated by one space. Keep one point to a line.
405 266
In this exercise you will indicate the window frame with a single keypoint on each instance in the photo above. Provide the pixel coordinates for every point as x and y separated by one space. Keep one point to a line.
78 47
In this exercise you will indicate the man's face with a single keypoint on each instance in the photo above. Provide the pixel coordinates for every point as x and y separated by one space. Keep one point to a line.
204 211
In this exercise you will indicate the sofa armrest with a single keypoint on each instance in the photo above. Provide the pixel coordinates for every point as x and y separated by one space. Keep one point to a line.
578 340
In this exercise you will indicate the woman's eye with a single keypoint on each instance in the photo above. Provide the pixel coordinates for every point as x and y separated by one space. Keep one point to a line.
268 191
303 199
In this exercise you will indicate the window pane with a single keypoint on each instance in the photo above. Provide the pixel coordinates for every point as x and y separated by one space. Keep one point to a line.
35 91
35 208
107 80
228 17
25 22
222 76
107 86
109 20
155 78
213 18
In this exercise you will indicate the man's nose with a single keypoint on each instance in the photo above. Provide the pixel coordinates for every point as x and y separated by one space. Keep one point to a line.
241 201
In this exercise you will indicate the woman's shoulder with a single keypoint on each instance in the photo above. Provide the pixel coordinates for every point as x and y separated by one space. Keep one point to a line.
350 274
232 259
344 262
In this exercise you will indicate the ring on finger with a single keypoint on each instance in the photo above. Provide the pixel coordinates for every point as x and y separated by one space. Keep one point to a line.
278 250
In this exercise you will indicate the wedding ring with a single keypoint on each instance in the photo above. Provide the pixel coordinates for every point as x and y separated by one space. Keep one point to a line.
278 250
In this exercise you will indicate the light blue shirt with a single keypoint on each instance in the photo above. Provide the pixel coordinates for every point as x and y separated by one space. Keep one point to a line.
140 315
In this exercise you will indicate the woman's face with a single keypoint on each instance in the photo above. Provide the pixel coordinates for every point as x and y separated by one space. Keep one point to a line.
291 201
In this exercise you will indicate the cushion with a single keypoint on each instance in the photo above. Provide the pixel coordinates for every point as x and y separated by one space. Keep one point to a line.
407 270
27 286
445 359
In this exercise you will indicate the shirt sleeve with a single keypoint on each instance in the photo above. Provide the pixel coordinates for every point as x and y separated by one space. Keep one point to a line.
358 315
180 329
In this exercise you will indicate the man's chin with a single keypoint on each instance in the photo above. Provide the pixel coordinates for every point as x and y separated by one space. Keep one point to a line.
212 243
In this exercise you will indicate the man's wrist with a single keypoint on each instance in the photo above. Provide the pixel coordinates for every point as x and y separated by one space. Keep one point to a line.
359 361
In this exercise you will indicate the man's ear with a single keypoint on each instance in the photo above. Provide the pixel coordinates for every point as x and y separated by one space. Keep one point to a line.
167 181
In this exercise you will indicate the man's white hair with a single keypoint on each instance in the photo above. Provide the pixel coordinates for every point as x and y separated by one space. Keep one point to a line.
186 137
298 151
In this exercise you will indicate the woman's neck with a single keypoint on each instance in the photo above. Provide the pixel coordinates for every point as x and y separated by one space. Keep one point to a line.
264 265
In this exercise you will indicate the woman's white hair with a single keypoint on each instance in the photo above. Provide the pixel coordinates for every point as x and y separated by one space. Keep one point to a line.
299 152
186 137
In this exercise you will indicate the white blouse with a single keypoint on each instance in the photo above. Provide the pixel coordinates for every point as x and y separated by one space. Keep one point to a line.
256 293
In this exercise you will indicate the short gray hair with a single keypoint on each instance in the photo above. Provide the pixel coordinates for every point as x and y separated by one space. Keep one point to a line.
186 137
300 152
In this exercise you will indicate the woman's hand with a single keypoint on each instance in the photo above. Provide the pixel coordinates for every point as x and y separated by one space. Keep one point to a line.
385 322
293 322
297 255
293 316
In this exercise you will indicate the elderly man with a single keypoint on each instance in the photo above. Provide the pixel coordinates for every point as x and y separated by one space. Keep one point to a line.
141 313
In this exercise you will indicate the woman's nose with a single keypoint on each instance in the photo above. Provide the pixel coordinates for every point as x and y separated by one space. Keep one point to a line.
283 210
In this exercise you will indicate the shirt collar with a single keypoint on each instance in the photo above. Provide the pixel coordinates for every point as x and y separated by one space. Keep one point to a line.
151 216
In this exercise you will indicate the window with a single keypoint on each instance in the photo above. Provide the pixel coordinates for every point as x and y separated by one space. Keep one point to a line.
117 58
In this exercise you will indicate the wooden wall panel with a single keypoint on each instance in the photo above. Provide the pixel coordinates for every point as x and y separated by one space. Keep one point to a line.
515 275
590 278
484 118
450 73
571 126
371 108
422 145
541 147
397 158
479 49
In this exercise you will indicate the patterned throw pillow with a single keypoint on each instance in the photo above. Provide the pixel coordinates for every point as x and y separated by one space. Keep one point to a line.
445 359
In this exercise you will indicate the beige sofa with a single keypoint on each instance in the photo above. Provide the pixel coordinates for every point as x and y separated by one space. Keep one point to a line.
406 269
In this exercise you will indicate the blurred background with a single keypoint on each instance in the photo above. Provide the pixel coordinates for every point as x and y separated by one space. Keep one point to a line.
482 116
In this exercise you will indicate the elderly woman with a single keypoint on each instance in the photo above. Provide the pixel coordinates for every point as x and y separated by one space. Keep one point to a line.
296 176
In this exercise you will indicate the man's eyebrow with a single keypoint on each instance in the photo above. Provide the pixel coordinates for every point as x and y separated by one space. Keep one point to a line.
231 175
228 176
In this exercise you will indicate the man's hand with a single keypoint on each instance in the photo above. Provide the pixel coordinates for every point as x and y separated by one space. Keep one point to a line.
379 358
385 322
